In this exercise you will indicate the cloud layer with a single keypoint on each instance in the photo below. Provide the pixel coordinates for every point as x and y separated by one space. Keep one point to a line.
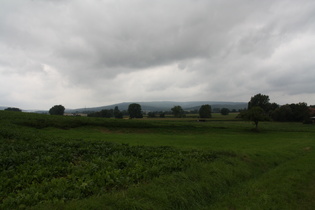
99 52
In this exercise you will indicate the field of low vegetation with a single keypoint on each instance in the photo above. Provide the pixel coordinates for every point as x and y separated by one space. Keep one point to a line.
63 162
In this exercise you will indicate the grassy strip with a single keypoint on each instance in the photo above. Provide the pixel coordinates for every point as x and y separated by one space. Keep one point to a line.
287 186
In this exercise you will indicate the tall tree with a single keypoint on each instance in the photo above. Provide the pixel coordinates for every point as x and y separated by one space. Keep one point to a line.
57 110
177 111
205 111
254 114
135 111
260 100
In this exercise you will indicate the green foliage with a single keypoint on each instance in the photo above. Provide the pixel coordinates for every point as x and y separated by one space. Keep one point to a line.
106 113
162 115
283 113
259 100
255 114
263 102
300 112
57 110
225 111
155 114
117 113
37 168
135 111
13 109
289 112
178 111
151 114
205 111
292 112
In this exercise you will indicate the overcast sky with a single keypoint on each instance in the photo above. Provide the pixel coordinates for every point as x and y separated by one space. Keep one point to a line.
87 53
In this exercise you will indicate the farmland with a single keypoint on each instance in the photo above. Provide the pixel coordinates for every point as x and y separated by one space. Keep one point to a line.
61 162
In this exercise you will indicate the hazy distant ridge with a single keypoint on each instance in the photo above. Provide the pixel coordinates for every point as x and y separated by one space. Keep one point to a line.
167 105
3 107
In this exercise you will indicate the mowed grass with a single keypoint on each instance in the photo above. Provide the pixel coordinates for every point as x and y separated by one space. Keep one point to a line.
270 169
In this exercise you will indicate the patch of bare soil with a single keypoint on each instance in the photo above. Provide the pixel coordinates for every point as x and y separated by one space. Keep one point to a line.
307 148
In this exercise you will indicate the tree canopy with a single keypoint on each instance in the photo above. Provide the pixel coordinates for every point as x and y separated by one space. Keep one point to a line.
106 113
299 112
225 111
177 111
57 110
117 113
205 111
259 100
135 111
254 114
259 108
14 109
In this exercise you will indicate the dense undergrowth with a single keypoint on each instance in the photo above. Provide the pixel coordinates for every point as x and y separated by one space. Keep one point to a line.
39 170
42 167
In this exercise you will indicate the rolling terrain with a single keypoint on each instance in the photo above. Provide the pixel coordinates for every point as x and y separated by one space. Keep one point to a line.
60 162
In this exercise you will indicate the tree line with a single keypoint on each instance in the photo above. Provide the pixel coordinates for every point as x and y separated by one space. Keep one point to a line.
108 113
135 111
260 109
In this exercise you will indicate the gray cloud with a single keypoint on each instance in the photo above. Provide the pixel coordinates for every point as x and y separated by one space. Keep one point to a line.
102 51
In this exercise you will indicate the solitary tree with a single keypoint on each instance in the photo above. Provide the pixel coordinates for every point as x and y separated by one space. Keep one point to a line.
205 111
225 111
259 100
178 111
254 114
57 110
135 111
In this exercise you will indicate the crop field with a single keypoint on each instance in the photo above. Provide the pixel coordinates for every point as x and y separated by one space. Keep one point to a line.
59 162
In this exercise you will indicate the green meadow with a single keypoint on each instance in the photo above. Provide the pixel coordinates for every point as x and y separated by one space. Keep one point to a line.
59 162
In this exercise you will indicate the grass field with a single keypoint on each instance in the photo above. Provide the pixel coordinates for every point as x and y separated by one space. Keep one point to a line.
57 162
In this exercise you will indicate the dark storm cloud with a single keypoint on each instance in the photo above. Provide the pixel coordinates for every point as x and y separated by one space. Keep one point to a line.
140 34
188 49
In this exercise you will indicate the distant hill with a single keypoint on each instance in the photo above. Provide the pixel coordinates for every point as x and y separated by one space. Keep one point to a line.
166 106
25 110
3 107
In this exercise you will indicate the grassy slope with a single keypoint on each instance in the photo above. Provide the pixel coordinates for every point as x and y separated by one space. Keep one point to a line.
272 169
